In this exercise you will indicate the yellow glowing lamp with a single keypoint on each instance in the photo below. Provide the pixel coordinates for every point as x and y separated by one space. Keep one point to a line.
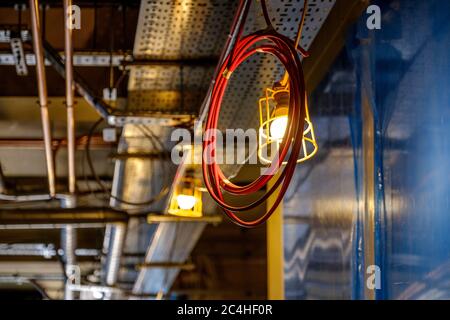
186 200
273 116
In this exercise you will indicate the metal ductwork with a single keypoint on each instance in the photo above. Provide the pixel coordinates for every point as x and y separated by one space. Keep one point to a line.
114 252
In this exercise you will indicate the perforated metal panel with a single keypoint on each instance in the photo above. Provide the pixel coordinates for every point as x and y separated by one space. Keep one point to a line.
189 29
177 30
261 71
160 88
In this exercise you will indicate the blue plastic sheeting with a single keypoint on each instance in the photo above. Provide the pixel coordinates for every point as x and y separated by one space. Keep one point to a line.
409 71
403 70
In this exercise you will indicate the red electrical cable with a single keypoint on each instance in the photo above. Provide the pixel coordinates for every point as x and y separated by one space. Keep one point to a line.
284 49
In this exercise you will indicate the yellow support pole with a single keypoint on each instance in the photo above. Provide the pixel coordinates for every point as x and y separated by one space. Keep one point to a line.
275 250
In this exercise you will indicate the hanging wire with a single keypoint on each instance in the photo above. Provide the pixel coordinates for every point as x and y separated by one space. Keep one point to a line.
244 47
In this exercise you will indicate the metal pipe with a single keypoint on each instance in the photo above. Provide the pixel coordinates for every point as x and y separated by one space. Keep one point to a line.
42 87
115 253
81 217
69 244
105 250
69 233
46 251
68 50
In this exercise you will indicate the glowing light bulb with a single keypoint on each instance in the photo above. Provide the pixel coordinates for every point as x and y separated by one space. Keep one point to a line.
278 127
185 202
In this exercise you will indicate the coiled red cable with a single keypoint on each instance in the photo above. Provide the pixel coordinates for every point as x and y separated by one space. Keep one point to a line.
285 50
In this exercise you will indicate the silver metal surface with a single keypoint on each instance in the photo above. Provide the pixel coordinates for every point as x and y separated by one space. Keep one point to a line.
93 292
5 35
69 96
176 31
172 242
68 244
25 198
164 121
137 180
47 251
198 29
28 249
42 87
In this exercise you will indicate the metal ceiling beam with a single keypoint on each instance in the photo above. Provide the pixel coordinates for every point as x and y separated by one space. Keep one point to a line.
105 59
204 62
97 142
80 59
58 218
81 3
82 88
102 108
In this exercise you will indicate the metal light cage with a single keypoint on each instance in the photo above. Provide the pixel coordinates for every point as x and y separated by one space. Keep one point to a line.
189 187
267 145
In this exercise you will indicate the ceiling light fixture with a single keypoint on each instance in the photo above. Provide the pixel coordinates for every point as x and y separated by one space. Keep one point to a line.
273 122
186 200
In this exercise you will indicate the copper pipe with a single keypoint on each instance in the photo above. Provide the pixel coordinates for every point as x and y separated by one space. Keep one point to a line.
42 87
68 50
69 234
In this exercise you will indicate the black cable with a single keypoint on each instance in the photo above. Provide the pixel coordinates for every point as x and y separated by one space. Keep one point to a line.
158 197
121 77
266 14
